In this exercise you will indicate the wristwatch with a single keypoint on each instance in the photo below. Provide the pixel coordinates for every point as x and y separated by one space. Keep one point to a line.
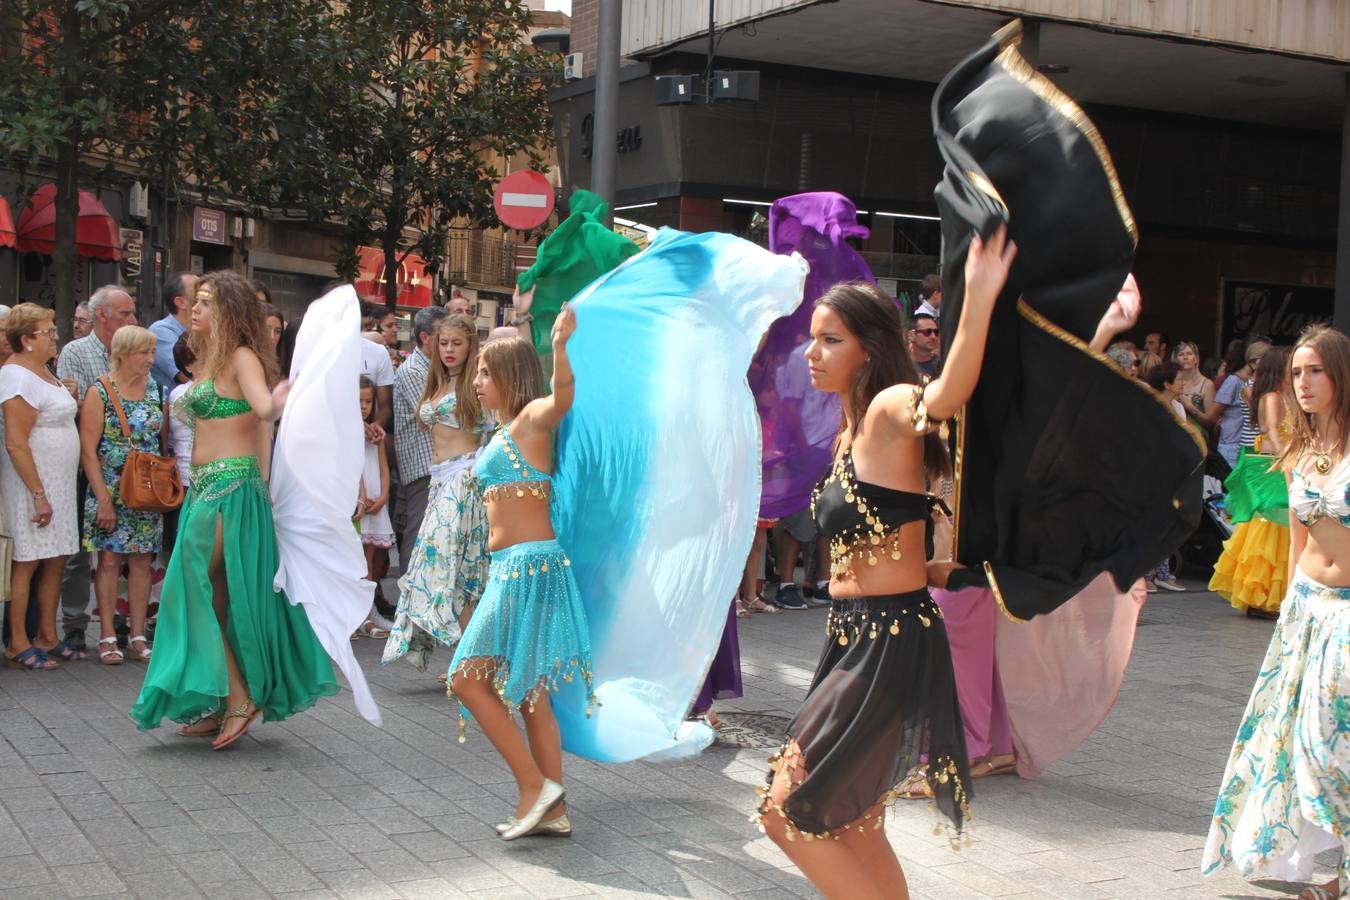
520 319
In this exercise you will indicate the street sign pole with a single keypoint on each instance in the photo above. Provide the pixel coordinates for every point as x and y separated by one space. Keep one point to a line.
604 159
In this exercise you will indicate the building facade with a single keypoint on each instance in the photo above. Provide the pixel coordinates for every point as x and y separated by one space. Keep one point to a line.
1224 119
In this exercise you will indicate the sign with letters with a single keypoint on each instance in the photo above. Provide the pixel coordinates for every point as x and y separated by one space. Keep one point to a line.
1277 311
208 225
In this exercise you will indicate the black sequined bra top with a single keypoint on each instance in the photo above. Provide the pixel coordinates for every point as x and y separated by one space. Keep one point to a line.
864 520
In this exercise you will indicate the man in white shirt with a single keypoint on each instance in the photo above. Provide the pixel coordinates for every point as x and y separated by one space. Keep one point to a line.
930 289
379 368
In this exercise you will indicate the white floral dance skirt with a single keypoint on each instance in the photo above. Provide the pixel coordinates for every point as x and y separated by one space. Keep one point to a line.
447 566
1285 794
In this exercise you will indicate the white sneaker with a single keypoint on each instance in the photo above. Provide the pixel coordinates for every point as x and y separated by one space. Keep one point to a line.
1170 584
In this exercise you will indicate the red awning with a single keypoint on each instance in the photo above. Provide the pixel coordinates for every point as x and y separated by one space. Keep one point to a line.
7 234
414 285
96 234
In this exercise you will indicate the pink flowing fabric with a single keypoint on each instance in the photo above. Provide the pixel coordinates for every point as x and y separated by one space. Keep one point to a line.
1039 687
798 422
1062 671
971 617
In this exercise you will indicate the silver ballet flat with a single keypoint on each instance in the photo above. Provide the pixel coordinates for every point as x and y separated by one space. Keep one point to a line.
559 827
550 795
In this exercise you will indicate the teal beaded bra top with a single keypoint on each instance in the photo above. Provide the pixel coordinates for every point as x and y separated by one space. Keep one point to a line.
501 470
202 402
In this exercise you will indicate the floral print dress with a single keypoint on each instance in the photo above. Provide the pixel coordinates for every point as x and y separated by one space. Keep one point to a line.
1285 794
136 531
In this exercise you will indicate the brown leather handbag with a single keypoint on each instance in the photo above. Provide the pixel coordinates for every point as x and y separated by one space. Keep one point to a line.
149 482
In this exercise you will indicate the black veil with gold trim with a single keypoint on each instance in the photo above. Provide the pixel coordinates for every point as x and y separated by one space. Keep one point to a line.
1066 467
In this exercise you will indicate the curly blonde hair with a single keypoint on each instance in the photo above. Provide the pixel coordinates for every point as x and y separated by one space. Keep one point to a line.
237 320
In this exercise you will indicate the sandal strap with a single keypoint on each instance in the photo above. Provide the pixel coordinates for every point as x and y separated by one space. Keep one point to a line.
242 711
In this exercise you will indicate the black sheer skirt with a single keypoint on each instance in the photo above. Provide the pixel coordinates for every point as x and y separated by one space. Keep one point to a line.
882 701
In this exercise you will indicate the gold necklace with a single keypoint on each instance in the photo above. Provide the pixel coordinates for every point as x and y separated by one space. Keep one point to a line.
1321 461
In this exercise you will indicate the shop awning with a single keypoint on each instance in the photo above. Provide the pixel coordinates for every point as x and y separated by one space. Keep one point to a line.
414 285
96 233
7 234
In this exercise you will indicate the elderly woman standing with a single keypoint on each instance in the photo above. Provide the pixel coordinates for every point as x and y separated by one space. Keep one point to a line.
120 534
37 482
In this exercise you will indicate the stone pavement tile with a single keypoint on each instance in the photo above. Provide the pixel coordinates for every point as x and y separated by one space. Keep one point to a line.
461 825
217 822
16 776
395 820
139 859
292 829
83 807
22 801
419 803
67 849
157 814
358 838
726 875
161 886
208 866
12 843
112 831
237 890
88 880
55 764
358 884
196 797
428 889
430 846
283 875
327 812
249 846
504 893
261 806
470 874
183 839
324 856
332 776
395 865
70 783
46 824
367 796
22 871
239 783
542 883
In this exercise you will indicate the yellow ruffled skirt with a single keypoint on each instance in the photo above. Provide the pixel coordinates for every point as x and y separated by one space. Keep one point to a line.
1253 570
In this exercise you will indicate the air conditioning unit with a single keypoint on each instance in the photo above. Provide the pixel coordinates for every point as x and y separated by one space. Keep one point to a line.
572 64
139 201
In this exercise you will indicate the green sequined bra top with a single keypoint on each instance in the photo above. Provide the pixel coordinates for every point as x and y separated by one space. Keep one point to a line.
202 402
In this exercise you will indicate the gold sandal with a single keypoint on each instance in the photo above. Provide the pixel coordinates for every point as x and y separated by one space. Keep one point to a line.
216 717
248 711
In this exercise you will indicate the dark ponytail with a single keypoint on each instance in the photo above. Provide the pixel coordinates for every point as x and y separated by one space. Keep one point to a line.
875 320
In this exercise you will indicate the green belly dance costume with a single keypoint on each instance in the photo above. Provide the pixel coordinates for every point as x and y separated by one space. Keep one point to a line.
281 660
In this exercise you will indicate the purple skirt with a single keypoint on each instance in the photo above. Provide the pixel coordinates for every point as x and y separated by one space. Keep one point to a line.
724 675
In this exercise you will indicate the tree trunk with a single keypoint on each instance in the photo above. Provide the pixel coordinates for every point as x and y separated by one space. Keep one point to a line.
64 259
393 232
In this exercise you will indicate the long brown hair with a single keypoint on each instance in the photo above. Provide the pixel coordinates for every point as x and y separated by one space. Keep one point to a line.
514 367
874 320
439 379
1269 378
1333 349
237 320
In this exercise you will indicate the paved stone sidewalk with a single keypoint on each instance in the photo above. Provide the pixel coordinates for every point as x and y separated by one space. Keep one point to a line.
325 805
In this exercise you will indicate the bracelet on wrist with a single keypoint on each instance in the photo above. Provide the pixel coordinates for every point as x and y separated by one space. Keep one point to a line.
39 495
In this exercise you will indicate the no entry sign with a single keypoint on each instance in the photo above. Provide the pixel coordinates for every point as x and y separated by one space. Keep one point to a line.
523 200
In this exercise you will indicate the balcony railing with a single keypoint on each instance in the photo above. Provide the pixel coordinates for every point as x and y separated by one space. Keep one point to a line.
476 258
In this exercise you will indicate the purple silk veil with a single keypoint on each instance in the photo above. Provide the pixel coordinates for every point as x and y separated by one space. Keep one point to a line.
798 422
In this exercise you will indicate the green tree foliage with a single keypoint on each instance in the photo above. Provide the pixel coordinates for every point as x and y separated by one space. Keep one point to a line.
399 129
162 88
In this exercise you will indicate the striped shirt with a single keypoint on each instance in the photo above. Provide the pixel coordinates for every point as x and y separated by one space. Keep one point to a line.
1250 430
411 443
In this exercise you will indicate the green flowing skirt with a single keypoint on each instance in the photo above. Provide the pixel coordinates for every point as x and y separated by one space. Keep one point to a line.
274 646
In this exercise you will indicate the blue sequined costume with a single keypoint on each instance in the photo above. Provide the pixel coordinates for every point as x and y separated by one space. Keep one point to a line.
529 633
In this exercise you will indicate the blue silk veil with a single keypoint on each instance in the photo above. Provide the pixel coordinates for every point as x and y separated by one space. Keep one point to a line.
657 478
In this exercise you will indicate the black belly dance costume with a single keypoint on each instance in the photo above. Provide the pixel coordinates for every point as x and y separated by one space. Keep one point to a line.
883 698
